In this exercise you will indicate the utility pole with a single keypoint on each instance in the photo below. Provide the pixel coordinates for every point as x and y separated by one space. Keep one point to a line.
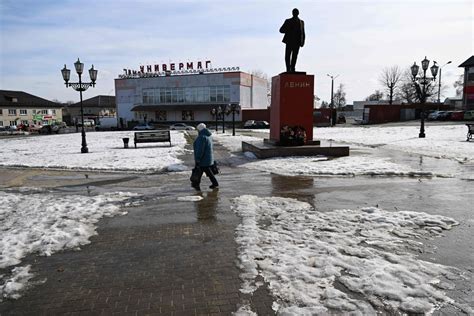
333 114
439 84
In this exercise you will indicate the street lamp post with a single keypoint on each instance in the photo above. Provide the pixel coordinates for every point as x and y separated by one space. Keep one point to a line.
422 92
80 86
222 111
333 114
439 85
215 111
233 108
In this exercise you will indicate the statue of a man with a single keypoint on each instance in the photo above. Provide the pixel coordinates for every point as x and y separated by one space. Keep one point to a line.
293 29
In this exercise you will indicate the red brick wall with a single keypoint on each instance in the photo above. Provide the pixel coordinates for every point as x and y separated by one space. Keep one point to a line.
256 114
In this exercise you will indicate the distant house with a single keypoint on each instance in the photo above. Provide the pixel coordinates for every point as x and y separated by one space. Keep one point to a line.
454 103
359 105
94 108
18 107
468 90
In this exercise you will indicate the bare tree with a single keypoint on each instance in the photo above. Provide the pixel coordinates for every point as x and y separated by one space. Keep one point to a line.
324 105
376 96
459 86
390 78
260 74
340 97
406 91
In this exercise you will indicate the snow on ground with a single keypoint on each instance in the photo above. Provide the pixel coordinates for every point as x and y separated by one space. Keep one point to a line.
344 261
234 143
13 287
190 198
314 166
343 166
106 152
44 223
441 141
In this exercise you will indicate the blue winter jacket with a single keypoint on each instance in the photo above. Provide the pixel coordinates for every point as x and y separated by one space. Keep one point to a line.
203 149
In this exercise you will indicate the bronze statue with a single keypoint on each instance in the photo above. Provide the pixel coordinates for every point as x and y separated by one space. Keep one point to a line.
294 39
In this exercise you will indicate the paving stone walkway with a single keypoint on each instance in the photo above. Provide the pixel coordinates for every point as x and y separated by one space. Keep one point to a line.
165 257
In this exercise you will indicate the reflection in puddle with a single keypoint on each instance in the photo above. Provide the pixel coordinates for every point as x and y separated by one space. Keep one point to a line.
300 188
206 208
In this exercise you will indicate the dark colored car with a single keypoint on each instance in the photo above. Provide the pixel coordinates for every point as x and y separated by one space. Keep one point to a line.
49 129
457 116
443 116
256 124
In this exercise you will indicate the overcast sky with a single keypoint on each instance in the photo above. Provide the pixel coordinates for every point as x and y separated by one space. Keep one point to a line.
352 39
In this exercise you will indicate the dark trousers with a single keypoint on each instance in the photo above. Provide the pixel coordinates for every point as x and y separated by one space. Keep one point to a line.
291 54
209 174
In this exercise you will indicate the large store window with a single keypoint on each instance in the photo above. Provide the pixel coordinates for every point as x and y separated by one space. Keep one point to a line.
186 95
160 115
187 115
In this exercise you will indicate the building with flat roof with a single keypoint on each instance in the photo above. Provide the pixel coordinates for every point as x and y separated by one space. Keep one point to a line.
188 97
18 107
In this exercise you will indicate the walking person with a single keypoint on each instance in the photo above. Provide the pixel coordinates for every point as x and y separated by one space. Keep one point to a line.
203 156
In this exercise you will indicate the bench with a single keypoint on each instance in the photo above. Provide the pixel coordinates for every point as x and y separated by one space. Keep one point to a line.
470 131
152 137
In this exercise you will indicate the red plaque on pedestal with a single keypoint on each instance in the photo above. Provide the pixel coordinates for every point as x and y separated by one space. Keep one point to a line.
292 104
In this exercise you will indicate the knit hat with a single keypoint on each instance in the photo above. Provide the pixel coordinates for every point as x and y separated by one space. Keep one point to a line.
201 126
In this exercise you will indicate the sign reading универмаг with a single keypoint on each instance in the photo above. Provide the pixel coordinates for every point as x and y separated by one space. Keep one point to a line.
168 67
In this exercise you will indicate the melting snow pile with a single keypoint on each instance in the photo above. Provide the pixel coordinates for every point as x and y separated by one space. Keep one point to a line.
319 165
13 286
44 223
343 166
342 261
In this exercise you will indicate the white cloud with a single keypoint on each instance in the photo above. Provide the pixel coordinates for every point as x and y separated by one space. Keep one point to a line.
355 39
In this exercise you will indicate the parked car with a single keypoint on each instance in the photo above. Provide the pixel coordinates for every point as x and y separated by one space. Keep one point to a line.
457 116
181 127
11 128
433 116
34 128
249 123
256 124
469 115
106 124
142 127
53 128
87 123
442 116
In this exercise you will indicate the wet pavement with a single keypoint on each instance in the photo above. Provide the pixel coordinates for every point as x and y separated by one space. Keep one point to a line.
172 257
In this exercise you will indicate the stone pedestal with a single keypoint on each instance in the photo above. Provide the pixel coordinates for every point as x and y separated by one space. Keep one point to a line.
292 103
